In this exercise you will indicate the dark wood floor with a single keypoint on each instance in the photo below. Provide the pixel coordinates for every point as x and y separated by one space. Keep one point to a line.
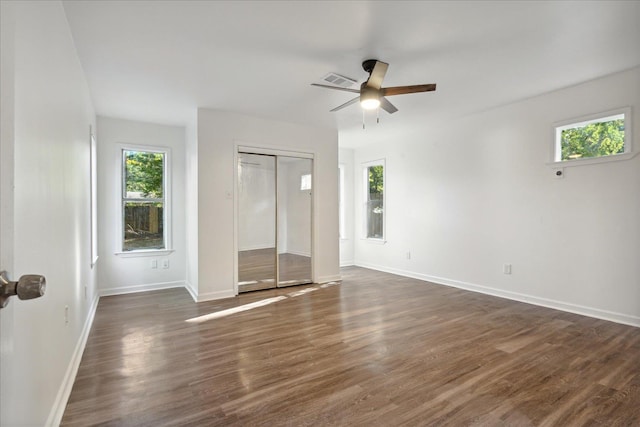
376 350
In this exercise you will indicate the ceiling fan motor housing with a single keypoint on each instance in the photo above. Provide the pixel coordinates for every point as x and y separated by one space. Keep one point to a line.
369 64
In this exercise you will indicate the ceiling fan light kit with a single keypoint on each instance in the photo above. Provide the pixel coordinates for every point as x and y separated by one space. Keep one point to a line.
372 94
369 98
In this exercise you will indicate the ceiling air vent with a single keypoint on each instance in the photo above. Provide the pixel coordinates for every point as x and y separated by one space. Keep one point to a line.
338 80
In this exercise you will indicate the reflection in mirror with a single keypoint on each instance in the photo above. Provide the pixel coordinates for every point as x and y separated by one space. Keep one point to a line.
256 222
295 186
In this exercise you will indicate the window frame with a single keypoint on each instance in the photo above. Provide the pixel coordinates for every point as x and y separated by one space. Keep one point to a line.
166 200
93 191
365 200
304 181
341 208
558 127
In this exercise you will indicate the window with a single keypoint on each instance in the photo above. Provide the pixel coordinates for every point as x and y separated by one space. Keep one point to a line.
93 186
374 200
305 182
594 138
144 200
341 218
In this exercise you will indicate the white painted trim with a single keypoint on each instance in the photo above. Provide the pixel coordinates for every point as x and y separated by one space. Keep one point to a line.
597 313
152 252
273 150
192 291
236 211
347 263
327 279
210 296
257 247
592 160
141 288
60 404
374 240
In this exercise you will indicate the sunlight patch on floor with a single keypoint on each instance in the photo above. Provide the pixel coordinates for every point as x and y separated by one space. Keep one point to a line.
251 306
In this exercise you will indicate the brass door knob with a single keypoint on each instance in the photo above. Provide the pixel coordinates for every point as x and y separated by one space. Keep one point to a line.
28 287
31 286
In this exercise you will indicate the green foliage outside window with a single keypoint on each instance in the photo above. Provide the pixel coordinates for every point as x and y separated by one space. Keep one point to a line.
593 140
144 173
375 202
376 182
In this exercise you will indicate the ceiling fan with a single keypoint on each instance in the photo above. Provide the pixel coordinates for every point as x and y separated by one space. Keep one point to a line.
372 94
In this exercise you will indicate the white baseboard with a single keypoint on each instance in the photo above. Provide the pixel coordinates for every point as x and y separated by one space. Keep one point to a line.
597 313
327 279
257 247
210 296
348 263
141 288
60 404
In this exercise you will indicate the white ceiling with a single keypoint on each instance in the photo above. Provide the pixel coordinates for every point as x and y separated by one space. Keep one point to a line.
158 61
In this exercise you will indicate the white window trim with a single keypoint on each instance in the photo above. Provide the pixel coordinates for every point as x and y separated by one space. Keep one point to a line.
93 185
168 241
341 207
584 120
365 189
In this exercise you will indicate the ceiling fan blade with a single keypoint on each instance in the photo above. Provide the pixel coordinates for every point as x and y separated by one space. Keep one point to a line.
336 88
401 90
387 106
377 75
346 104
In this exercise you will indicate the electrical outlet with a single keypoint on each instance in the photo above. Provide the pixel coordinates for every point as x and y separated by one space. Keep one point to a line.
506 268
165 263
154 263
408 254
85 292
66 314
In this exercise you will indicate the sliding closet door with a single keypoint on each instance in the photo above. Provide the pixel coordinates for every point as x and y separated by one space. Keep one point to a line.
294 220
257 262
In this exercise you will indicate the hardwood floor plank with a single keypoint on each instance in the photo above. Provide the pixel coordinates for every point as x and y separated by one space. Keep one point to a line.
377 349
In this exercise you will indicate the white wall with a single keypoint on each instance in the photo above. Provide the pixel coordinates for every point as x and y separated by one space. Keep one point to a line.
347 246
131 273
51 118
296 203
218 134
191 207
257 203
476 194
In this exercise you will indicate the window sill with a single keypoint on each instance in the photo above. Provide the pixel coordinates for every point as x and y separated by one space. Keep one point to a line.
375 241
592 160
136 254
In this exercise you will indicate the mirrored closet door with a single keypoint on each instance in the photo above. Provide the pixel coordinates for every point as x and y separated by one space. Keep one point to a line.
257 256
294 221
274 221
